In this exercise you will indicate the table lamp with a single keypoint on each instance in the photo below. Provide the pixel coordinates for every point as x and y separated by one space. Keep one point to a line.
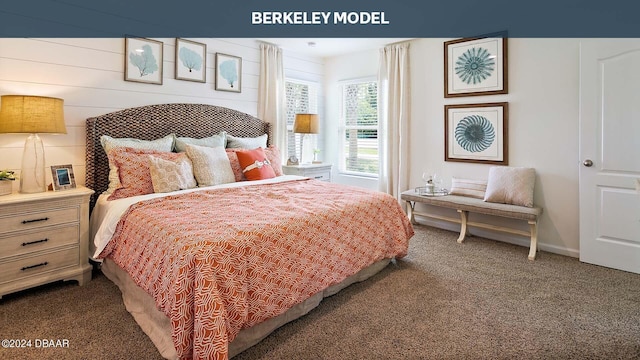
32 115
305 124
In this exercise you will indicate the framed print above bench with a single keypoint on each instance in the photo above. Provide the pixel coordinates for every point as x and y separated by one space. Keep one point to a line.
477 133
476 66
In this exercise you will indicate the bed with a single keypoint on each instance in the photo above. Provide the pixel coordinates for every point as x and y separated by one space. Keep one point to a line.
209 271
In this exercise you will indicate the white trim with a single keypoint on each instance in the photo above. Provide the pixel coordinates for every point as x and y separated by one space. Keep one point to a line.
300 81
357 80
341 126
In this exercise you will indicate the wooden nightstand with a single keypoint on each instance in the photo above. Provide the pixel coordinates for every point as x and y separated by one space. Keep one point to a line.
44 237
320 172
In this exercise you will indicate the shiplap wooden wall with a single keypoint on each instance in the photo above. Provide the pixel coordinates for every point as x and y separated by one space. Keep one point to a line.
88 73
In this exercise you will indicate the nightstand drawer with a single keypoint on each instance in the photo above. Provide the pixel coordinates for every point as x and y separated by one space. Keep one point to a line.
319 175
28 242
34 265
321 172
34 220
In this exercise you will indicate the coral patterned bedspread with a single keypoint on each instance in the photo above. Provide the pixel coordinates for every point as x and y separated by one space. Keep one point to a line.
217 261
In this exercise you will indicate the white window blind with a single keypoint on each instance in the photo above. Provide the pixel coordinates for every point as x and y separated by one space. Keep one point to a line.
359 124
302 98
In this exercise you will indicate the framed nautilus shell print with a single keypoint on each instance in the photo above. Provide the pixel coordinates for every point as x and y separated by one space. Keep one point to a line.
477 133
476 66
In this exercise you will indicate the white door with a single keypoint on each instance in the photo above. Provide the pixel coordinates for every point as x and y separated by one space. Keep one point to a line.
610 153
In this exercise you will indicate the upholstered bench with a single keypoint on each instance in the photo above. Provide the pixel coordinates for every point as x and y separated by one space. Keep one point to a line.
464 205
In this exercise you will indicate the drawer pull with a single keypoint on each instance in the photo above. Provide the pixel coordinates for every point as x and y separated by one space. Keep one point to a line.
318 177
34 242
34 266
34 220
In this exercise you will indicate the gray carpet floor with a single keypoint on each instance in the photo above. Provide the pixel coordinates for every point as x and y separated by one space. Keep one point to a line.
478 300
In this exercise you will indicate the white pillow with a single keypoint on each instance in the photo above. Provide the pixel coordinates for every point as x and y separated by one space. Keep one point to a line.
468 187
108 143
162 144
212 141
211 165
510 185
247 142
168 175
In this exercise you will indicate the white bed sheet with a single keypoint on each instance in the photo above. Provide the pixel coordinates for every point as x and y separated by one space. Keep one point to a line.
106 214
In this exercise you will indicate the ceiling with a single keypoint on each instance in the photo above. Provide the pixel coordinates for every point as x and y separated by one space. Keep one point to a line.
327 47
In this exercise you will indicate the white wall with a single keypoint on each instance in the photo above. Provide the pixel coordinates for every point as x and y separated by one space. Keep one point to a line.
543 126
89 75
309 69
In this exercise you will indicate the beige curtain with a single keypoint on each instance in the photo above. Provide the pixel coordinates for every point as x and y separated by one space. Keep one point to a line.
394 110
271 94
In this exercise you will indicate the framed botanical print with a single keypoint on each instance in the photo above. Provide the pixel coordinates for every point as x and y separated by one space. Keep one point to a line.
228 73
476 66
477 133
143 60
191 60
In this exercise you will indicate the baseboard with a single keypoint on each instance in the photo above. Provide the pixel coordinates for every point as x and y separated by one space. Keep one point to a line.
499 236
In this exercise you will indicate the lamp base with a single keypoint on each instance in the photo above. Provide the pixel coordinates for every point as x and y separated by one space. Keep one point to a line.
32 176
305 150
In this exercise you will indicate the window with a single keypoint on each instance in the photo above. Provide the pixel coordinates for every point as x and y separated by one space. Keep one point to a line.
359 128
302 97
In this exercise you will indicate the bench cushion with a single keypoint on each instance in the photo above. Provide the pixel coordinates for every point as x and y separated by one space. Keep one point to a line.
476 205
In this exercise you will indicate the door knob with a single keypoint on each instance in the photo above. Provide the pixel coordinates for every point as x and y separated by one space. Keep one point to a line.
587 163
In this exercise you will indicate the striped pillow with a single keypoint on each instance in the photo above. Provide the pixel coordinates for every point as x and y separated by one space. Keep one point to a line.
468 187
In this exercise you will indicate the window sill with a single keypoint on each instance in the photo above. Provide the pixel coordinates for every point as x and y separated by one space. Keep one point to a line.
358 176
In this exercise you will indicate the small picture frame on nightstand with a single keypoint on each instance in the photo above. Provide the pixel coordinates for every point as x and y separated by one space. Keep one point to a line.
63 178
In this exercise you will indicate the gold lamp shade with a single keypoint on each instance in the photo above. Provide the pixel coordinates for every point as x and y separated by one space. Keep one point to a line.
31 115
306 124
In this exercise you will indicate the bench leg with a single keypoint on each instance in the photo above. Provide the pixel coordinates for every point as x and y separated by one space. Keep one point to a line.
533 225
463 225
410 208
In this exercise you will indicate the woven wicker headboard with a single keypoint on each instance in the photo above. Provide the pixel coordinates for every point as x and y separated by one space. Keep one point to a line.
155 121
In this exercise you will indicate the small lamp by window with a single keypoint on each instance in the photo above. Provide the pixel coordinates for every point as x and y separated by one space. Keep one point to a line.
32 115
305 124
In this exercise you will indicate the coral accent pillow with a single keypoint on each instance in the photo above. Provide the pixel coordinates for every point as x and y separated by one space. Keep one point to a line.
510 185
255 165
134 170
171 175
109 143
272 152
232 155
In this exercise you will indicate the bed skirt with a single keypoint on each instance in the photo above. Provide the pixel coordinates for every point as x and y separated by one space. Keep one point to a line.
158 327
